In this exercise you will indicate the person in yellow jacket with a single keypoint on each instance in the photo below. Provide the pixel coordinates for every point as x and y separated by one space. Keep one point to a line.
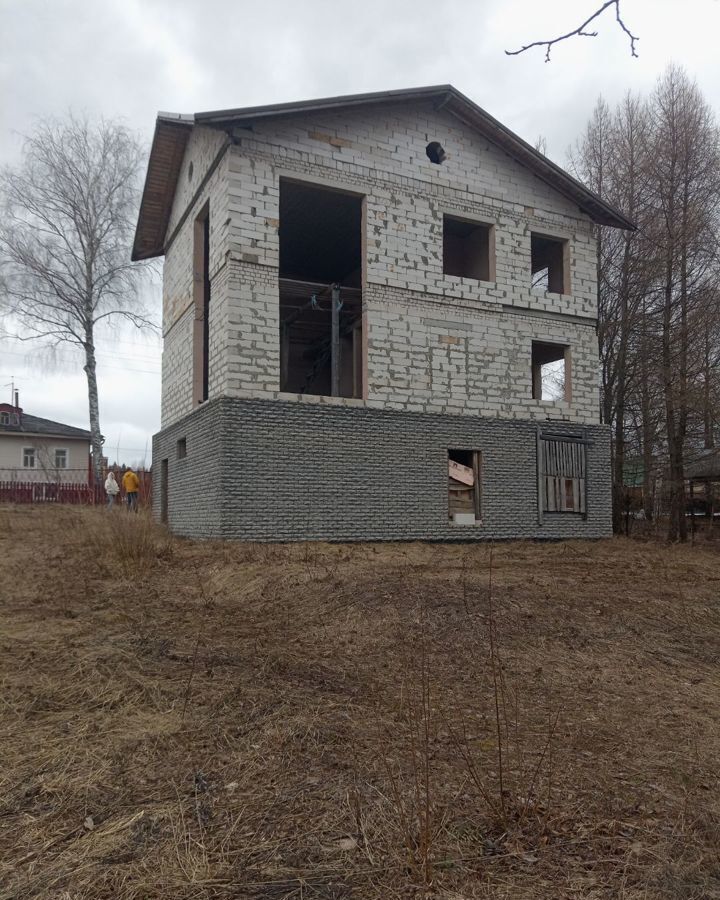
131 486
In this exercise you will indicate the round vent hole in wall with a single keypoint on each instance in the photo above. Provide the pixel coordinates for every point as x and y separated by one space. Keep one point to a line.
435 152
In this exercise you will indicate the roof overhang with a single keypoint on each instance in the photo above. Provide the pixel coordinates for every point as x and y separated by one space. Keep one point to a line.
166 156
172 131
58 435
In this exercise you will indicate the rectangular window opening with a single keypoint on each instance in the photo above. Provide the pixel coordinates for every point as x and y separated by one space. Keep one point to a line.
201 298
562 472
321 328
61 459
467 249
550 371
29 457
549 266
464 487
182 448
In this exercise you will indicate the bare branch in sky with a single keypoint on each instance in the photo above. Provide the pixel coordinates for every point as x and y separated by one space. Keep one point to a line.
580 31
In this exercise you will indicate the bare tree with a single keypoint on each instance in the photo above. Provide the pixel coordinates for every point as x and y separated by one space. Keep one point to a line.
609 159
658 303
68 214
684 170
581 31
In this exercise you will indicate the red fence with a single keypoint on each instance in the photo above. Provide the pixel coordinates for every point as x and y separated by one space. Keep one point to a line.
38 492
56 492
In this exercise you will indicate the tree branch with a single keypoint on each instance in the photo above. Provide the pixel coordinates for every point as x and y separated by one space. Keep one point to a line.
581 32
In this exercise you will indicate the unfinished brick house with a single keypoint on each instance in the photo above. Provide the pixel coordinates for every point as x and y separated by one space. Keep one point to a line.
379 322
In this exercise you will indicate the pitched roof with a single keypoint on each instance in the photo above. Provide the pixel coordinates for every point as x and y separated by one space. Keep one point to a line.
172 131
36 425
705 465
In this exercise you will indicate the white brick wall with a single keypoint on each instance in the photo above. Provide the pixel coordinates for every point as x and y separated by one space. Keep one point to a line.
435 342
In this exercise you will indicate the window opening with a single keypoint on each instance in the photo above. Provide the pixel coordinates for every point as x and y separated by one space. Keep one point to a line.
467 249
4 418
548 264
550 371
182 448
201 296
28 457
464 487
320 291
562 472
61 459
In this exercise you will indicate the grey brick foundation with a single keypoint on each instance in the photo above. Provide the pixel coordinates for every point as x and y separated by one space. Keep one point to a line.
270 470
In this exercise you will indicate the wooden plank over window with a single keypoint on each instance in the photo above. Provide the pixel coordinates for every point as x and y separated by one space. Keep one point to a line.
562 473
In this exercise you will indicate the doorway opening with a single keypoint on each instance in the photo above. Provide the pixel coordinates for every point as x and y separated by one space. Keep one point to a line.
164 491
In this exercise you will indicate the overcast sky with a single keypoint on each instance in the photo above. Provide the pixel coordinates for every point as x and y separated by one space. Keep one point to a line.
130 58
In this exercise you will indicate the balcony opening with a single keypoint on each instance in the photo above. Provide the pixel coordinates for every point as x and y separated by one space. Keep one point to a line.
549 264
321 343
467 251
550 371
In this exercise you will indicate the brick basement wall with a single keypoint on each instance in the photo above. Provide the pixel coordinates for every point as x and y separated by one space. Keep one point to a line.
269 470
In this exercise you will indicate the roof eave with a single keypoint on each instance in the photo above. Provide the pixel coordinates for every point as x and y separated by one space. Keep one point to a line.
601 212
172 131
465 109
223 116
166 153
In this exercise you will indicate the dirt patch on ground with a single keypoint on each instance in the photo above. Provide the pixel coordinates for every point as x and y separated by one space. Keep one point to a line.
199 720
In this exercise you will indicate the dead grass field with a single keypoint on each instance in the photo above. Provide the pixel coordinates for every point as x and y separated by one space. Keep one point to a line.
200 720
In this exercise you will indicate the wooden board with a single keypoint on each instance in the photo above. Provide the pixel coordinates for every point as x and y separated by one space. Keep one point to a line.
461 473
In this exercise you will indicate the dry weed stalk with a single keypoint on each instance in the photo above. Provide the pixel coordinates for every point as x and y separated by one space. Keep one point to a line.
206 607
510 803
133 541
419 819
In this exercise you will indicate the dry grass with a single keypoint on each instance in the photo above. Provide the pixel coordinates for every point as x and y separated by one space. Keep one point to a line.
198 720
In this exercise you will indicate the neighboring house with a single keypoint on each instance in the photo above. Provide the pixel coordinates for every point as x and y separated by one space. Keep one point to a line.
379 322
703 475
39 450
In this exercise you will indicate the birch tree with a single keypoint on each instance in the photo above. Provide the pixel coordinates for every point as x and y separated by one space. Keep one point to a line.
68 216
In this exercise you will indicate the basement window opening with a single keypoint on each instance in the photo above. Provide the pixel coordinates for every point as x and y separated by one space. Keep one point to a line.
321 339
550 371
464 487
562 468
467 249
549 264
